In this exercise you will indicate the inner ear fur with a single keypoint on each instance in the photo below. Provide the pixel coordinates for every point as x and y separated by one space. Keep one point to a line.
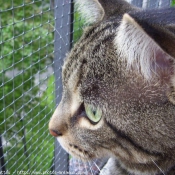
159 24
146 41
94 11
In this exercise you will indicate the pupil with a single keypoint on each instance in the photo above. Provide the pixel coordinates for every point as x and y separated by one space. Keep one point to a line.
94 112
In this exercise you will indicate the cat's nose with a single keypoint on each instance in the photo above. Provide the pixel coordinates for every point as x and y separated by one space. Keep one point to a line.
55 133
57 125
57 129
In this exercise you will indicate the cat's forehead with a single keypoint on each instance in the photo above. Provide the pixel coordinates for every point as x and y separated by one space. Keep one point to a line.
89 52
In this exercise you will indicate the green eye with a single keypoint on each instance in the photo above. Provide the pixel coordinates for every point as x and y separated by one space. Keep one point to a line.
94 114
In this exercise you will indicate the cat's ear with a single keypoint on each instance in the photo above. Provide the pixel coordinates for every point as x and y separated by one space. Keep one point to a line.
146 41
94 11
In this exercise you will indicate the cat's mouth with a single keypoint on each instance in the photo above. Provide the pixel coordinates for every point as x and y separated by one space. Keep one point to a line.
80 153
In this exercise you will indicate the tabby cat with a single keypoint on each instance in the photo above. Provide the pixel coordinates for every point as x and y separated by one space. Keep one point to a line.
119 90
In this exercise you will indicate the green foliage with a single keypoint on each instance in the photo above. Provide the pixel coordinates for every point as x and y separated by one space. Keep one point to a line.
173 3
49 93
26 46
78 26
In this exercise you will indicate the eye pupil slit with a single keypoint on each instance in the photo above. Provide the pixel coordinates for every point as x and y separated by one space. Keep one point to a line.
94 112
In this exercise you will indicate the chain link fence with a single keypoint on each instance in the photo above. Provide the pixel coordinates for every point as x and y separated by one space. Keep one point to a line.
26 85
35 36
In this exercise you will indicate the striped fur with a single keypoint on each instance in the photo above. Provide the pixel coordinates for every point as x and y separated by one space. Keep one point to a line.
109 68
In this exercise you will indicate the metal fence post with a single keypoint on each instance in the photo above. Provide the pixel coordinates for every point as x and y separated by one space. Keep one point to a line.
150 4
62 44
165 3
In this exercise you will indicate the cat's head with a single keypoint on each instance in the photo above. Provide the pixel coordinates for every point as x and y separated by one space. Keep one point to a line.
118 83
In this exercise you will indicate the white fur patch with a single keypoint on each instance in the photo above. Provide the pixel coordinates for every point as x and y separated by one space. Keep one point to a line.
137 48
75 103
110 168
91 10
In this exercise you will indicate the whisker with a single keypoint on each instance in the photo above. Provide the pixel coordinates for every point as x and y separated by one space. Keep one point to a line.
158 166
90 166
59 34
96 166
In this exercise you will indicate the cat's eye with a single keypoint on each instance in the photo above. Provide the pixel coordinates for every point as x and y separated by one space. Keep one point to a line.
94 114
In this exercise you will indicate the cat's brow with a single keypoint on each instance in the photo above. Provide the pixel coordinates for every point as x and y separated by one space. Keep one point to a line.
80 54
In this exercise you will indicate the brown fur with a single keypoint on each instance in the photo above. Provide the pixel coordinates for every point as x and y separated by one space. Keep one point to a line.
137 127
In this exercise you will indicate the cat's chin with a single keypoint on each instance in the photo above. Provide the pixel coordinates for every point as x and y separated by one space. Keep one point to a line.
87 156
81 155
76 151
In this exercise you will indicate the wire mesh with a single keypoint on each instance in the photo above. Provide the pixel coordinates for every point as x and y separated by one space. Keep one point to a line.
26 85
35 35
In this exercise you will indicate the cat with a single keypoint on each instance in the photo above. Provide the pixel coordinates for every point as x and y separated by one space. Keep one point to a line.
119 89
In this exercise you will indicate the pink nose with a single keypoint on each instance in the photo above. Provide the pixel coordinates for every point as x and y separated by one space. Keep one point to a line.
55 133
